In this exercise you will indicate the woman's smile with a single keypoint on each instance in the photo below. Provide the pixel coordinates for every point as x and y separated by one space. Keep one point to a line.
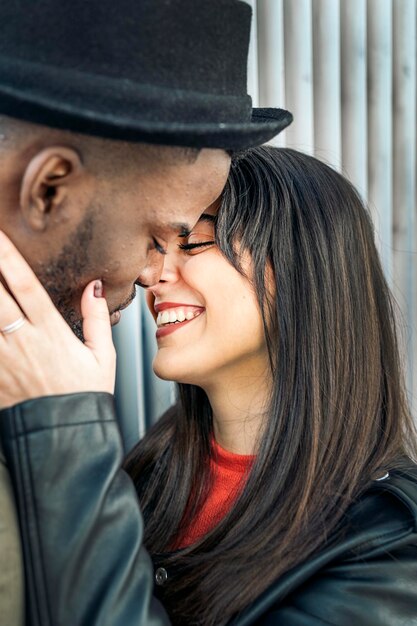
171 316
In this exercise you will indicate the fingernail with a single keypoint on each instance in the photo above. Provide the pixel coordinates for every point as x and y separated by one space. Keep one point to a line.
115 318
98 289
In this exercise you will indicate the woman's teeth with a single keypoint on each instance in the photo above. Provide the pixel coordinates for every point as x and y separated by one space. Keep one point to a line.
173 316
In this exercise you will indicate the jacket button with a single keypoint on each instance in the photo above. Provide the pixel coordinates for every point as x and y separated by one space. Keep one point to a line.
161 576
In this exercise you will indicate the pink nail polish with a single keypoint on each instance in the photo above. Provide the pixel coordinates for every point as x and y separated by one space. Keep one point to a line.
98 289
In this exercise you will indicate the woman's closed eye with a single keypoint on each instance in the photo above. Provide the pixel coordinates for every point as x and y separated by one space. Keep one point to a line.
197 242
202 238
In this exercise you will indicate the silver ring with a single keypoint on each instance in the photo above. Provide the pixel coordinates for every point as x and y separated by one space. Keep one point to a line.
11 328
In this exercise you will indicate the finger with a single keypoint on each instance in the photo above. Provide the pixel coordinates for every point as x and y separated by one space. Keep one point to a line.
23 283
9 313
96 323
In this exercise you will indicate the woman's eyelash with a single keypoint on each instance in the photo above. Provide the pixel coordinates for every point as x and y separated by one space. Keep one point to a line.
191 246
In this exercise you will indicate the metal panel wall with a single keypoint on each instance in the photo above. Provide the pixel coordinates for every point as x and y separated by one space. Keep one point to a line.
347 71
405 176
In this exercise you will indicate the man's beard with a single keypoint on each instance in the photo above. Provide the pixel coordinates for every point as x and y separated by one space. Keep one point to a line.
61 277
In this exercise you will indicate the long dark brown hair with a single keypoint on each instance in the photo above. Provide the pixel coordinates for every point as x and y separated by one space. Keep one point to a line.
338 415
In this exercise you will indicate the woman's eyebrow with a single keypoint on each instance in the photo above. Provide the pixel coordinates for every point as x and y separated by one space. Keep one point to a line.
204 217
181 228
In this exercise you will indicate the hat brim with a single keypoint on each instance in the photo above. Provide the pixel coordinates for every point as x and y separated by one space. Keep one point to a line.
265 124
125 110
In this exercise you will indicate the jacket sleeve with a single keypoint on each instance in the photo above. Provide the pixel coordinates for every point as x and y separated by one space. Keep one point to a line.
378 588
80 520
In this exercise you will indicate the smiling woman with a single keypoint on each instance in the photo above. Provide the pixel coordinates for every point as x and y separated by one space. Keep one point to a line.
281 488
291 401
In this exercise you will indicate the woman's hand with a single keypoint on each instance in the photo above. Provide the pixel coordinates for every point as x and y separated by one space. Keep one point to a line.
43 356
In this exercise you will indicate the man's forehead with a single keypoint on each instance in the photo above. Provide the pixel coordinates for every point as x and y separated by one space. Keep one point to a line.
184 228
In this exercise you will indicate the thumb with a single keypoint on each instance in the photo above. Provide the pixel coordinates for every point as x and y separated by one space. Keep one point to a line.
96 322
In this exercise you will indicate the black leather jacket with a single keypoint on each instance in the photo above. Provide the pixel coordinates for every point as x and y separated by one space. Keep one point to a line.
82 534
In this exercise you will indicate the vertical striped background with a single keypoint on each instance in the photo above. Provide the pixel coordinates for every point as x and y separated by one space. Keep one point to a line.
347 71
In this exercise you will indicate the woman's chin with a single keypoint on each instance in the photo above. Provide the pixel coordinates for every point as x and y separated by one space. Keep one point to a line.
164 376
167 372
171 373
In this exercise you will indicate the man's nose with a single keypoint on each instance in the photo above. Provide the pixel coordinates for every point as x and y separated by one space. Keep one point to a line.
170 272
151 274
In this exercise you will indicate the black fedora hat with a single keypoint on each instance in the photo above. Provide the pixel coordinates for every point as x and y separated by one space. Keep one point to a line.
160 71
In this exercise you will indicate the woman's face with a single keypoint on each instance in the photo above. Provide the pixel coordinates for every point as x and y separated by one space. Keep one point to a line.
209 323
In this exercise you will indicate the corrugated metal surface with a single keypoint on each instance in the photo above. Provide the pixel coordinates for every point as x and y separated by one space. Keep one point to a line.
405 175
347 71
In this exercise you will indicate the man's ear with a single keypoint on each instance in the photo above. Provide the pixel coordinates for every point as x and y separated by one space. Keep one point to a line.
45 184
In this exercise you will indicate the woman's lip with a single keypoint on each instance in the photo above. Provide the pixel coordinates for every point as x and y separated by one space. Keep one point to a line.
162 331
162 306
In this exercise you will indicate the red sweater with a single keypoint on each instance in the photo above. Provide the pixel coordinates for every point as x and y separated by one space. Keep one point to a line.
228 471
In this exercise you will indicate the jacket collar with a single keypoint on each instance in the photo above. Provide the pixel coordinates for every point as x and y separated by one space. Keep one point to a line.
389 506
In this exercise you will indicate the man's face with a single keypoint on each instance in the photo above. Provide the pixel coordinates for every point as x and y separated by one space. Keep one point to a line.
129 221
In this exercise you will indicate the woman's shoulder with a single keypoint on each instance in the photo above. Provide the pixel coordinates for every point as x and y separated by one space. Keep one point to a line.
367 575
390 503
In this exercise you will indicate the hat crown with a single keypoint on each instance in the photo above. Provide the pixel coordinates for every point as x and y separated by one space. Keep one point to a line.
197 45
160 71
